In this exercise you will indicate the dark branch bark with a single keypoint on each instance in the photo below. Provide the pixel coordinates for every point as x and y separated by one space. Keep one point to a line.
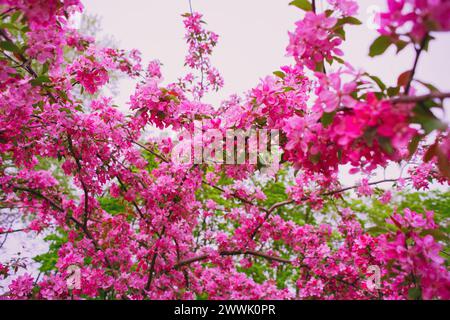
233 253
433 95
416 62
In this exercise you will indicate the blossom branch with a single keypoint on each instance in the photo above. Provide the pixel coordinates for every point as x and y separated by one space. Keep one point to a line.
232 253
83 184
12 231
411 99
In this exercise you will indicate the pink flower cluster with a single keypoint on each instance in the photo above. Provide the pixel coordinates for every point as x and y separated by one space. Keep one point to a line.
314 40
201 43
89 73
21 286
365 134
346 7
415 18
415 256
92 70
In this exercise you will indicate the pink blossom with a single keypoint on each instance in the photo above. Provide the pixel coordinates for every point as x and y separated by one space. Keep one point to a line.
313 41
21 286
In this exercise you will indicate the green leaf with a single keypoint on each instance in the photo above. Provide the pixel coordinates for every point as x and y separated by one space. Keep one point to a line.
349 20
412 147
44 68
279 74
339 60
66 110
393 91
400 44
427 42
112 205
437 234
9 46
369 136
426 118
386 145
15 16
340 32
327 118
376 230
415 293
315 158
39 80
63 95
9 26
379 46
378 81
302 4
328 12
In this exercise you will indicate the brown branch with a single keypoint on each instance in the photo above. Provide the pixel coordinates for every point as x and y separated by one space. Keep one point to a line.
416 62
155 255
185 272
83 185
25 62
77 223
151 270
40 195
12 231
433 95
7 11
232 253
159 156
235 196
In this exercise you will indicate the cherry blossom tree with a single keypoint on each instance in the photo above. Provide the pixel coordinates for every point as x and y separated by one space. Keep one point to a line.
139 225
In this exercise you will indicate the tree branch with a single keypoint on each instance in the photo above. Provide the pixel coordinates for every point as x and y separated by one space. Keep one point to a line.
416 62
433 95
233 253
11 231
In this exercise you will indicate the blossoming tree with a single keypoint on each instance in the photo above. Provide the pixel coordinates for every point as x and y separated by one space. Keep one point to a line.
139 225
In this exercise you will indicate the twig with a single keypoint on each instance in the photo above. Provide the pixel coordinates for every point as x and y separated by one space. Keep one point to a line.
433 95
233 253
416 62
